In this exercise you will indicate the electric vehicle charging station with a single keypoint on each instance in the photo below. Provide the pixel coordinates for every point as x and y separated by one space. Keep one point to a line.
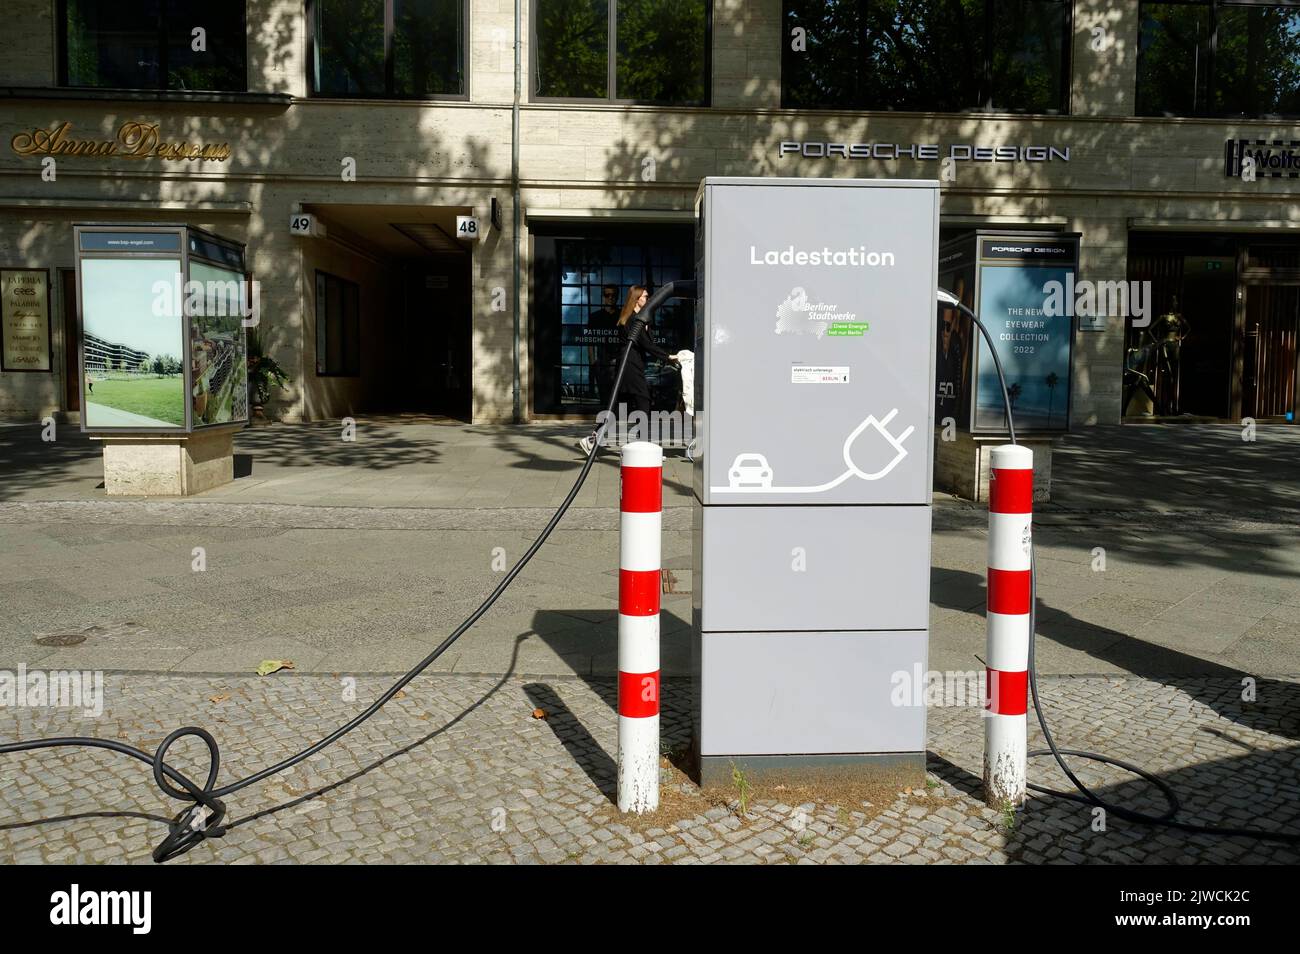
812 523
814 407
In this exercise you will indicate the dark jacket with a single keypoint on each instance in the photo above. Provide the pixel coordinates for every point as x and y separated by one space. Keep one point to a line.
634 381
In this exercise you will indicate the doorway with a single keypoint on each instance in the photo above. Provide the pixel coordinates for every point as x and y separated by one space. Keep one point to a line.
1270 322
411 307
1223 336
1180 362
435 343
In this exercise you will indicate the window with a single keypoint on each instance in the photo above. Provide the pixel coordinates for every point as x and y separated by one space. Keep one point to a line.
649 51
154 44
338 326
1239 60
582 279
394 49
928 55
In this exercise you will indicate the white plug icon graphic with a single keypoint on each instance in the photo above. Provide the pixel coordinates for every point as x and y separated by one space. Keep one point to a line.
896 442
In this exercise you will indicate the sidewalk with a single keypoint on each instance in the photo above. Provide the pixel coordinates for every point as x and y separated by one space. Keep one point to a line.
353 560
1204 468
360 557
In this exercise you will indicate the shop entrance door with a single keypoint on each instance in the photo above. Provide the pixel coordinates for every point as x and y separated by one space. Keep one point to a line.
1268 382
1269 324
1181 362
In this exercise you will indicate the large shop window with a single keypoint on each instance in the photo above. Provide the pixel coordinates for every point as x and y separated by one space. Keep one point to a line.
154 44
927 55
1229 60
581 280
391 49
338 326
645 51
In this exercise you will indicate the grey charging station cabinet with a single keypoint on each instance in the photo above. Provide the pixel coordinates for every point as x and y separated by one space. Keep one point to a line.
814 398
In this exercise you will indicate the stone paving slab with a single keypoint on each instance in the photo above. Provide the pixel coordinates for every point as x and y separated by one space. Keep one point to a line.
457 770
348 589
1141 468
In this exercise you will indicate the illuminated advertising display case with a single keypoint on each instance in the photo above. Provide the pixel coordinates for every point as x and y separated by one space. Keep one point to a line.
162 345
1007 279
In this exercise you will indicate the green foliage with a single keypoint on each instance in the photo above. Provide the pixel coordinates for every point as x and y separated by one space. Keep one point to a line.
572 48
926 55
661 50
350 45
1256 61
659 56
739 780
1173 40
263 371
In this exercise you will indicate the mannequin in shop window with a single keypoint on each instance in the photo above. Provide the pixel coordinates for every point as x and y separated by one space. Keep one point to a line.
1168 332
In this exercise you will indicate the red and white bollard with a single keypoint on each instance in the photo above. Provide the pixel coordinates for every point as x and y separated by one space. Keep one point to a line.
639 586
1011 511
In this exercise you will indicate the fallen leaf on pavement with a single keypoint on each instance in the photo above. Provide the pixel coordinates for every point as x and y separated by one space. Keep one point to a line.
268 666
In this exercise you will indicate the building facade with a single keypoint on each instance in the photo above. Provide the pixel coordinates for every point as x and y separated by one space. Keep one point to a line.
343 140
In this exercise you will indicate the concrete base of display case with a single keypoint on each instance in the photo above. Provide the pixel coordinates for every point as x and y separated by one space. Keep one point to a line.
168 465
961 466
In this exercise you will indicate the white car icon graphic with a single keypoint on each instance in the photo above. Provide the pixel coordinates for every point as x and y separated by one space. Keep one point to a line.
750 470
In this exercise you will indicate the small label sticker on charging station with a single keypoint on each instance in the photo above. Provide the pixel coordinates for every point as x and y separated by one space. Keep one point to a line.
800 374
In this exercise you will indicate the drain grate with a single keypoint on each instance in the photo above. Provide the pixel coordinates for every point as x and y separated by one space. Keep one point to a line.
671 584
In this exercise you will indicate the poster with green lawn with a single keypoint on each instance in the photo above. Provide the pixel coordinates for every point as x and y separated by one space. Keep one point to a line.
133 345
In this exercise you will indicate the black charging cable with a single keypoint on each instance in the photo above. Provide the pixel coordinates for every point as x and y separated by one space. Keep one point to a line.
1085 795
203 818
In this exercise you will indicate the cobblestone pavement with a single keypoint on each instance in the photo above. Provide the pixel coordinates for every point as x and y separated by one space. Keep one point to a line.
457 770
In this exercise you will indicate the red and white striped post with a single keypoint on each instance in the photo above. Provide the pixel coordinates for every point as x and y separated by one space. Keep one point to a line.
639 586
1011 511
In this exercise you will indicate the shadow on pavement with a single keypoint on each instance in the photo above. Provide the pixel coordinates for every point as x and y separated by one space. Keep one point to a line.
594 633
586 752
1248 791
376 447
1277 706
1177 466
28 463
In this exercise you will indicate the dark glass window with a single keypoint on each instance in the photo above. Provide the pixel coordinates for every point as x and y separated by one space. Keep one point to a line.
928 55
581 282
1173 59
1219 59
428 47
338 326
1257 61
402 49
572 48
349 47
155 44
659 50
